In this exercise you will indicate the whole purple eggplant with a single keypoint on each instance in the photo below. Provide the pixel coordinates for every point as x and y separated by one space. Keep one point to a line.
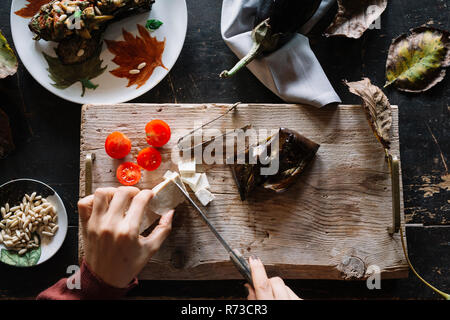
276 22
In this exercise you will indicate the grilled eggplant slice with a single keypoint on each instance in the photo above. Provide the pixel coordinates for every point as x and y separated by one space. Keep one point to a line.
294 152
78 26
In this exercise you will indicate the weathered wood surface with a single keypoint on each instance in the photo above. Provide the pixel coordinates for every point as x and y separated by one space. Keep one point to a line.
340 207
46 133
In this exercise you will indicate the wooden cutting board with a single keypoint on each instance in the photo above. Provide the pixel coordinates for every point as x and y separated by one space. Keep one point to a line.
332 224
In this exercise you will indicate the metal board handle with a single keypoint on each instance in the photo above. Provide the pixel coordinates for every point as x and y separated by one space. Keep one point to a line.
394 166
88 161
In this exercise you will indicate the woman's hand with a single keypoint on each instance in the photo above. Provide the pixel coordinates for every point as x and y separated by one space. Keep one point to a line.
265 288
110 221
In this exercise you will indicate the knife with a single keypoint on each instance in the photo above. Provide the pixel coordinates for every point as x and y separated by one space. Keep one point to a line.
235 256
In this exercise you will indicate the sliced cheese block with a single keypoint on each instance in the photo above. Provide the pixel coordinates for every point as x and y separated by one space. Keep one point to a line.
203 183
192 181
168 174
167 197
186 168
204 196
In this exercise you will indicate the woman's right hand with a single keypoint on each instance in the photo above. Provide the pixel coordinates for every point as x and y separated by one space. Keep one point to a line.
265 288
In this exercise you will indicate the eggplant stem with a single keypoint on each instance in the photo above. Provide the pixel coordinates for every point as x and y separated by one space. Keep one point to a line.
249 57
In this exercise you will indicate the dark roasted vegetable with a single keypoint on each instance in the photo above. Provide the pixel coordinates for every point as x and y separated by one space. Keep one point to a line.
294 153
78 26
276 22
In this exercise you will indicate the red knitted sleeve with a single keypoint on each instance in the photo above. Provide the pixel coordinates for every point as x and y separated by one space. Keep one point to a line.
90 287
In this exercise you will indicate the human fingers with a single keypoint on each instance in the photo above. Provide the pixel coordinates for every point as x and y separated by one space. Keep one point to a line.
251 293
261 283
85 210
155 239
279 289
85 207
137 210
292 294
102 198
120 203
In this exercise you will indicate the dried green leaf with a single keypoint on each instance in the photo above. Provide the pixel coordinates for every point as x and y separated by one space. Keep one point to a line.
65 75
8 60
354 17
377 108
417 61
30 258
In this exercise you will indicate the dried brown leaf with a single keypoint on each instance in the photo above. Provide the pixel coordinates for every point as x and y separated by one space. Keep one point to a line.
31 8
354 17
377 108
134 51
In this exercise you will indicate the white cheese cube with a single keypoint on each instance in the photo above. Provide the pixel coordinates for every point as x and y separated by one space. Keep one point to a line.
168 174
204 196
186 168
202 183
167 195
192 181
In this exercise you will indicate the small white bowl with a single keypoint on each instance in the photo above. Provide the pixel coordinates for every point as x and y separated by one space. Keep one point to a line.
12 193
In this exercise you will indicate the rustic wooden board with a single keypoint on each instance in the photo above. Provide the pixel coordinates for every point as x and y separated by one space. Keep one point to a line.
338 211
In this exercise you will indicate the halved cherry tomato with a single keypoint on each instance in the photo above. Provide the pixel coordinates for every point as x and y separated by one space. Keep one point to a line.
128 173
157 132
149 159
117 145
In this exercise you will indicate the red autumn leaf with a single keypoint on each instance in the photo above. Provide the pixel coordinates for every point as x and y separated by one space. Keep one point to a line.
31 8
133 52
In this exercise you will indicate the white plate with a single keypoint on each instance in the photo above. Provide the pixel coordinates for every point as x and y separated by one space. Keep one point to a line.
173 14
14 190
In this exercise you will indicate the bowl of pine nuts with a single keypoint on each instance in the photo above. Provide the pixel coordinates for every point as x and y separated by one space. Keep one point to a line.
33 222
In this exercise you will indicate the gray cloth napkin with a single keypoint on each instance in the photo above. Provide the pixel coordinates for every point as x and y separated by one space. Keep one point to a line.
292 72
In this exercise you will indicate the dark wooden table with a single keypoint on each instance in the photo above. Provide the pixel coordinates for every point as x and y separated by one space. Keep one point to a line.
46 132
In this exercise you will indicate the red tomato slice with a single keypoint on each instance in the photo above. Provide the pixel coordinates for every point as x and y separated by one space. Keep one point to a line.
157 132
149 159
117 145
128 173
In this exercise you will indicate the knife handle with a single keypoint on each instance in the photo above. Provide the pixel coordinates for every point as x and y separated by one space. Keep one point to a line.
242 265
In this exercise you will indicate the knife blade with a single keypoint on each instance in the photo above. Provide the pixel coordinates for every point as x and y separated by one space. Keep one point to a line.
235 256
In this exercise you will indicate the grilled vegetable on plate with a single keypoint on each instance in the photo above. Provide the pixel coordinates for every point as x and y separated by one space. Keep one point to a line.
82 55
78 25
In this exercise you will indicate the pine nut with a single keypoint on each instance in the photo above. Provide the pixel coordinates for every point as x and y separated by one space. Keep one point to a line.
20 223
142 65
134 71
